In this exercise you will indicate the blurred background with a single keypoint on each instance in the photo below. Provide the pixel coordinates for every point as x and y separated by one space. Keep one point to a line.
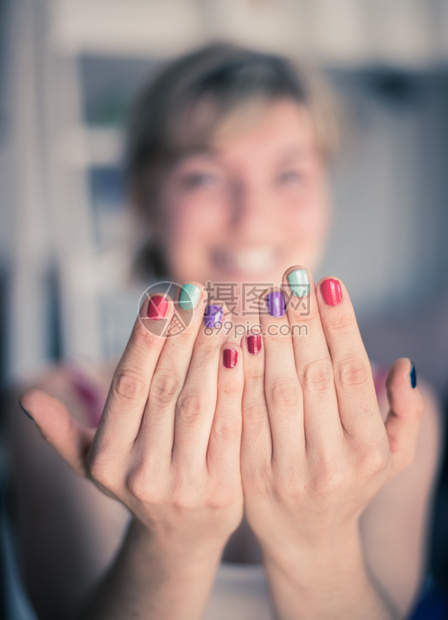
68 72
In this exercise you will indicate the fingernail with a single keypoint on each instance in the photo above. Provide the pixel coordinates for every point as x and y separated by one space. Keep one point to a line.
189 296
413 375
299 282
276 303
230 357
254 343
25 411
213 315
157 307
331 291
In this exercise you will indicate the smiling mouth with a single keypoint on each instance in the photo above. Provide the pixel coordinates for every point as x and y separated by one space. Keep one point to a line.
250 260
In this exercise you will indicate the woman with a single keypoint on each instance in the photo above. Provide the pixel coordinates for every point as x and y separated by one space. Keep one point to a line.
259 435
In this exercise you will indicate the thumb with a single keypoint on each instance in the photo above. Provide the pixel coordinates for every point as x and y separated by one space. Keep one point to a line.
404 416
70 438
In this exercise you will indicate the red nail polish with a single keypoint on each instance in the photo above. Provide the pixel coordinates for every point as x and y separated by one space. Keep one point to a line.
254 343
331 291
157 307
230 357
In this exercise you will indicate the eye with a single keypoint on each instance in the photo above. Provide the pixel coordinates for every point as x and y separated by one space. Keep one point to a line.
200 179
290 176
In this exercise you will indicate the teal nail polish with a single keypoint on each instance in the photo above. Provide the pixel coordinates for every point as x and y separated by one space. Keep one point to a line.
189 296
299 282
413 375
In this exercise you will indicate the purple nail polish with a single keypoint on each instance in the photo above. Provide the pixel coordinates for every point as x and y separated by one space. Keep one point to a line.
213 315
276 303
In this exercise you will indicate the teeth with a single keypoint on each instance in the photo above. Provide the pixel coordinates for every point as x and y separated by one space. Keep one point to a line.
256 260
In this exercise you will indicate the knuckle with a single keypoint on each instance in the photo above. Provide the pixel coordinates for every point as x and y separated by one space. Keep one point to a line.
419 406
138 484
353 373
230 388
288 484
207 346
165 387
190 408
141 338
284 393
340 321
258 477
98 470
129 386
221 496
187 495
317 376
374 460
253 412
226 428
253 375
188 501
330 479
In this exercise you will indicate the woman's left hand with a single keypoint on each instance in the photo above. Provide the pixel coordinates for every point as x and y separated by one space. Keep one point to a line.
315 449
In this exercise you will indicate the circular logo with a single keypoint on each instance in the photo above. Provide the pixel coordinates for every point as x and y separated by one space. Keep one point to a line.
166 328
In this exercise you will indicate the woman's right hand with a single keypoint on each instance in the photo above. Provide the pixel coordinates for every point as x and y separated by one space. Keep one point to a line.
168 443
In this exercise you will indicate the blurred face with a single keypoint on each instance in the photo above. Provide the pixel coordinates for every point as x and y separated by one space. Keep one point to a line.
251 205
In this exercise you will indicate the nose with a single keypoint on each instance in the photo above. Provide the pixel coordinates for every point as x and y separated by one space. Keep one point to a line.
253 212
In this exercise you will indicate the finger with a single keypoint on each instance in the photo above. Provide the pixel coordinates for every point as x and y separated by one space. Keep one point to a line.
129 388
223 453
323 429
357 402
70 438
197 400
157 427
404 417
256 439
282 389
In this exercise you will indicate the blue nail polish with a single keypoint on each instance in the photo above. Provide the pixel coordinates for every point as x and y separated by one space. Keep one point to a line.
299 282
25 411
413 375
276 304
213 315
189 296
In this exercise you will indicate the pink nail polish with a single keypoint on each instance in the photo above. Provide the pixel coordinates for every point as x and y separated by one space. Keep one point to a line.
230 357
157 307
254 343
331 291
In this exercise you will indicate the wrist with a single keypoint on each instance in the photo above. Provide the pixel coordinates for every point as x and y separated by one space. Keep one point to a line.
171 552
327 580
314 556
